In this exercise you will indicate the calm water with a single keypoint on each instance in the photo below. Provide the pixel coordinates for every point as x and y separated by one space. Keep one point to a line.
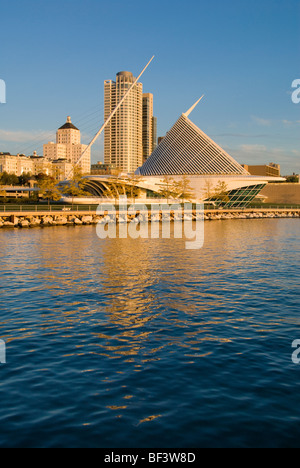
141 343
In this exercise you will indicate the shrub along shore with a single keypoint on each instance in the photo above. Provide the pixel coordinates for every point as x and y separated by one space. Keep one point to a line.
42 220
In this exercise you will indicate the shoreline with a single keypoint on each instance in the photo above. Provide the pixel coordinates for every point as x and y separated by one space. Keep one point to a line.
30 220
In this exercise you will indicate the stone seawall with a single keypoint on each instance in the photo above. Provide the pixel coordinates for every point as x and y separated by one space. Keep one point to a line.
30 220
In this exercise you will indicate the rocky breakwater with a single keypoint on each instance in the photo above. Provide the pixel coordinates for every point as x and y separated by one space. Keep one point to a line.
47 220
31 221
256 214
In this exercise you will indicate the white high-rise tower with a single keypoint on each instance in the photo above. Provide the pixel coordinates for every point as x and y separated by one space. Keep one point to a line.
123 136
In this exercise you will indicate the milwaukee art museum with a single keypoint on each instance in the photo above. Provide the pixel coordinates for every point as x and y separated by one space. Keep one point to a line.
186 152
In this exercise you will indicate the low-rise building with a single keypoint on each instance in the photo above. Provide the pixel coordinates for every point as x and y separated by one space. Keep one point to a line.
267 170
282 194
61 169
20 164
104 169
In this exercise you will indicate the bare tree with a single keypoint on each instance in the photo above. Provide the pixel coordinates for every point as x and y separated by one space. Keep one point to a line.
132 185
167 189
221 192
208 191
183 189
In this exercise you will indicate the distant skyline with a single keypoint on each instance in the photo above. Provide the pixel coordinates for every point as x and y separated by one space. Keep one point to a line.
244 56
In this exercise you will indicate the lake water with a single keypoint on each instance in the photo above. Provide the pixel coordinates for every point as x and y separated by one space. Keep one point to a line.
142 343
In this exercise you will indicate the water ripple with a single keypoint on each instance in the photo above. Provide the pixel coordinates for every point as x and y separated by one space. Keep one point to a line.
115 341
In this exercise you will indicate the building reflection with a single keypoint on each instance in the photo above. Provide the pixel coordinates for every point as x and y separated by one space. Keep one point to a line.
136 298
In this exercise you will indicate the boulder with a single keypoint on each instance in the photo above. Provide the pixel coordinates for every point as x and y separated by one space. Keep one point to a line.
96 219
61 220
87 219
47 220
77 221
24 223
36 221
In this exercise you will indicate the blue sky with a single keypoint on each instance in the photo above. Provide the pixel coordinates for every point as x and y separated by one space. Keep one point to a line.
243 55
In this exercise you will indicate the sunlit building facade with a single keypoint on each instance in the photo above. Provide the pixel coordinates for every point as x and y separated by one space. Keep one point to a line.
147 125
130 136
123 136
68 147
186 152
20 164
272 169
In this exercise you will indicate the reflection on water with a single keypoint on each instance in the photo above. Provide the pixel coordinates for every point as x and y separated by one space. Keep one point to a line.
148 333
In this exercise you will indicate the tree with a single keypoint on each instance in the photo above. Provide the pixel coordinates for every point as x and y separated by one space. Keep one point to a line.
221 192
131 187
75 185
111 191
25 178
168 189
48 189
208 190
3 195
117 187
41 176
294 179
183 189
8 179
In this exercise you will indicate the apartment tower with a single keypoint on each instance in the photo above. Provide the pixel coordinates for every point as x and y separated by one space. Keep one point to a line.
128 138
147 125
123 145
